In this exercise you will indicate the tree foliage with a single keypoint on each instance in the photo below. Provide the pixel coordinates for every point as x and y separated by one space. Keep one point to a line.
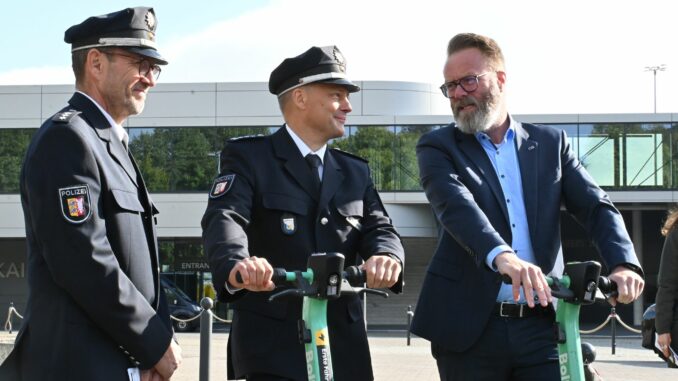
13 145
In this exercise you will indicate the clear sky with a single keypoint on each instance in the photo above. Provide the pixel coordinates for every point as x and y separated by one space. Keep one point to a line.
577 56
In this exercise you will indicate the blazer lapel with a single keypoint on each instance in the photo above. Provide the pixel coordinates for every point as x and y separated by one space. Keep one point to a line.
472 149
528 157
332 179
296 166
102 128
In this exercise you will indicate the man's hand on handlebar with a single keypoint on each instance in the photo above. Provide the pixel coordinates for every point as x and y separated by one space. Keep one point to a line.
255 273
525 273
382 271
629 285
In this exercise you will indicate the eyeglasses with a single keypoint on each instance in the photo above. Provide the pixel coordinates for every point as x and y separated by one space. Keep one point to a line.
468 84
145 66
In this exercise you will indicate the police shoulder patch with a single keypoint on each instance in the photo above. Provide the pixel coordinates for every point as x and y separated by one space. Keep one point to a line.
64 116
222 185
75 203
337 150
246 137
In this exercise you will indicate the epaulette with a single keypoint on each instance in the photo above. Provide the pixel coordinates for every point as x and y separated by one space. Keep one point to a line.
246 137
337 150
64 116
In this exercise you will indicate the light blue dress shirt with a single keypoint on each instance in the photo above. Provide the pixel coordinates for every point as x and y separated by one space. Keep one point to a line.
504 158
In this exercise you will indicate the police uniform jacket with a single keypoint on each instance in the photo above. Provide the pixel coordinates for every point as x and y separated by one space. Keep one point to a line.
268 208
95 307
459 289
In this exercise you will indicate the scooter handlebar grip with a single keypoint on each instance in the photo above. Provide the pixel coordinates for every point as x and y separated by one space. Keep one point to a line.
279 276
607 286
355 275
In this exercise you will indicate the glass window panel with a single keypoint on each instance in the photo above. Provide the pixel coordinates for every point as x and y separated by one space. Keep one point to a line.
627 155
644 158
599 153
183 159
572 131
13 145
173 252
406 167
222 134
649 156
173 159
374 143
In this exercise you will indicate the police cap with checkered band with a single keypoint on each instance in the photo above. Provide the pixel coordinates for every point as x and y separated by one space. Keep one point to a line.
132 29
316 65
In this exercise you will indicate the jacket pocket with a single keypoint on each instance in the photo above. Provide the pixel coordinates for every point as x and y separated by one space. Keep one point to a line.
127 200
285 203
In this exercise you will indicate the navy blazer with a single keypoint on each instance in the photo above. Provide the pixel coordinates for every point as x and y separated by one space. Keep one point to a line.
459 290
270 209
95 307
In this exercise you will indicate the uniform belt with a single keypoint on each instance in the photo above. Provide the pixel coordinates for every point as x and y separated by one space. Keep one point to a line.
513 310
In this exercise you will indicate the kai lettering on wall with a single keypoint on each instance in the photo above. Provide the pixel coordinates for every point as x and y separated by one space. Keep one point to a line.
12 270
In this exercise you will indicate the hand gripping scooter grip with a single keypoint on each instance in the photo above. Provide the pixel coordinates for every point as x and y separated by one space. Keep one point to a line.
356 277
607 287
557 290
279 276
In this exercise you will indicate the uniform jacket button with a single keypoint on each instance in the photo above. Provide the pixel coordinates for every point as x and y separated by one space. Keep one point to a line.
323 221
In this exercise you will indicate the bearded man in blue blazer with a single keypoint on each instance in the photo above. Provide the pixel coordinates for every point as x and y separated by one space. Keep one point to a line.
496 187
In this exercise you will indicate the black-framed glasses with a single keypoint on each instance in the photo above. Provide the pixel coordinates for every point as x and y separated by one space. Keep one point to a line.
468 84
145 66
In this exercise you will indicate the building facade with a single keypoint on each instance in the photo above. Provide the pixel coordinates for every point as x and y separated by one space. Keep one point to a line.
177 140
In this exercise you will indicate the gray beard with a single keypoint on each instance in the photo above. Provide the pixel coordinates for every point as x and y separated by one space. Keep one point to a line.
485 116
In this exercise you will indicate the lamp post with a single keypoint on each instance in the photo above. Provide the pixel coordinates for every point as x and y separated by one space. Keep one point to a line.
654 70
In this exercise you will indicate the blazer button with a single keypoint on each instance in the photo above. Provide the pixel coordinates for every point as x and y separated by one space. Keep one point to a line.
323 221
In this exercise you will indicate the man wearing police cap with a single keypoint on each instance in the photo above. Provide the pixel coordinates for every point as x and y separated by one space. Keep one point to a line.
95 307
274 204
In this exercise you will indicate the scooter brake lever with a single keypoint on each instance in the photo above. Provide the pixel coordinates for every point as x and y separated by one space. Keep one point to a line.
287 292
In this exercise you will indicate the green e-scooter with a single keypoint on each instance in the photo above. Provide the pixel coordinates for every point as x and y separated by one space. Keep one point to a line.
578 286
324 279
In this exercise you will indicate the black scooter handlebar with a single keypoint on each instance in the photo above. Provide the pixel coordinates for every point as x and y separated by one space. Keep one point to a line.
353 274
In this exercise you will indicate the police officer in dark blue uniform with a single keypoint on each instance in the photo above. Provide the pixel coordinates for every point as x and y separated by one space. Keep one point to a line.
95 309
281 198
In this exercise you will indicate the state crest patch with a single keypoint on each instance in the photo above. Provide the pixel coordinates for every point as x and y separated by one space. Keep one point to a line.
222 185
288 223
75 203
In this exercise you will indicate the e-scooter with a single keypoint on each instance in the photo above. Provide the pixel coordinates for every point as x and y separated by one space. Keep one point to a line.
578 286
324 279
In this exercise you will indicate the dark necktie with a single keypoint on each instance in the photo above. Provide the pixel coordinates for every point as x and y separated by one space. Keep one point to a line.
314 163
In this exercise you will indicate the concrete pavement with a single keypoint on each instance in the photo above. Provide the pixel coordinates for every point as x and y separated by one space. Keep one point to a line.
393 360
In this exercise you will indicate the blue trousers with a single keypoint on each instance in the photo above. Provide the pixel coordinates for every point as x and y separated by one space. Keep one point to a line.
510 349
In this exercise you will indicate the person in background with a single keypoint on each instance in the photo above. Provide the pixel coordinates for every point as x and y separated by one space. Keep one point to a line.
283 197
666 302
95 310
496 186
